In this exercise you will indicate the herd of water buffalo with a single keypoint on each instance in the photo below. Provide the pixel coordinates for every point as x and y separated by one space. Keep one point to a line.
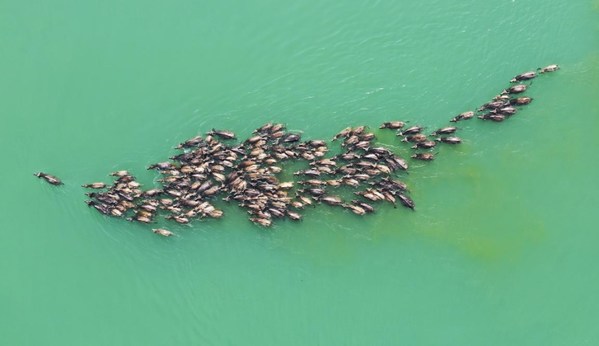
249 173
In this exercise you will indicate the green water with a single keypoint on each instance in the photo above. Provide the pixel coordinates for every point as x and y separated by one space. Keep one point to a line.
501 250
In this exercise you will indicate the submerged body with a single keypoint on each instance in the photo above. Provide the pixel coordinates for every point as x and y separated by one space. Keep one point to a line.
163 232
462 116
524 76
49 178
550 68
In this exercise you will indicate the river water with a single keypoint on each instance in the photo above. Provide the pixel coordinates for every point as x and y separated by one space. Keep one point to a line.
500 250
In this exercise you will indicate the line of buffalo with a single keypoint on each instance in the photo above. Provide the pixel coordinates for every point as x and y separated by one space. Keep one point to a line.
249 173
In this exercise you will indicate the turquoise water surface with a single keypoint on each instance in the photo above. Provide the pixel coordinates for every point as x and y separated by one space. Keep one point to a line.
500 251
